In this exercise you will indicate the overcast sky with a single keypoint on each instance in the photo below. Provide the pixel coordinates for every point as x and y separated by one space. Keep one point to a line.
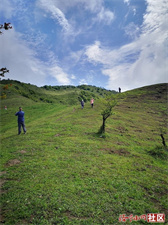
106 43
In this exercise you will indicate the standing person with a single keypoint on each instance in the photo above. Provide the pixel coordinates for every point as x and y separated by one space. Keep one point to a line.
119 90
82 104
21 123
92 102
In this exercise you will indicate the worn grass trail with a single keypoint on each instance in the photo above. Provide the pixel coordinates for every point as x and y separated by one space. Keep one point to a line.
62 172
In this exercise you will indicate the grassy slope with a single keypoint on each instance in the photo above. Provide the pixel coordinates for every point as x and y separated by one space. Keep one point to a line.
62 172
52 94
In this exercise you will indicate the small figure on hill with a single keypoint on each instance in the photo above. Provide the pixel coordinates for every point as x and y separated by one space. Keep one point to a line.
82 104
92 102
119 90
21 123
5 107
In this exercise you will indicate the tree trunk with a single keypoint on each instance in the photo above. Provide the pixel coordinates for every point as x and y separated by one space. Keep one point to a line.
103 125
163 140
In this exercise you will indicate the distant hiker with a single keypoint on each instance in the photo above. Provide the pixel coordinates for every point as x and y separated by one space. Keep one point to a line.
92 102
82 104
119 90
5 107
21 123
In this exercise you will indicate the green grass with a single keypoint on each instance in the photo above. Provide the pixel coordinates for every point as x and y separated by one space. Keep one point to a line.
51 94
63 172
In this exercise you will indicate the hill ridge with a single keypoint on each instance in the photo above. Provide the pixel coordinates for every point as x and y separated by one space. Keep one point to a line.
49 94
53 94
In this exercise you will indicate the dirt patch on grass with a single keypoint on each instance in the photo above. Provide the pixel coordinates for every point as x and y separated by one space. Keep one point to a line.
70 216
121 152
2 220
2 173
22 151
121 143
2 181
121 129
13 162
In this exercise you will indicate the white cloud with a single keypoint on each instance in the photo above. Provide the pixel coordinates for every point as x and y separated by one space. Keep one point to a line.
76 56
107 57
23 63
6 9
94 5
156 16
20 60
58 73
132 30
58 10
94 53
134 11
73 77
83 81
56 13
105 16
64 5
141 62
127 2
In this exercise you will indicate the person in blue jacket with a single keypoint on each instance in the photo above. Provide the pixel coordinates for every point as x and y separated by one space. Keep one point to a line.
21 123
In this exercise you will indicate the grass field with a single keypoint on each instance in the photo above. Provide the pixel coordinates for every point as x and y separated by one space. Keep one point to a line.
62 171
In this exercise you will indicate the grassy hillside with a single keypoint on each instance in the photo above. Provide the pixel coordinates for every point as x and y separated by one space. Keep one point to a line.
63 172
69 95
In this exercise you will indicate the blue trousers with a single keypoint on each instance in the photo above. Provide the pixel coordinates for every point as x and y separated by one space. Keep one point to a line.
21 124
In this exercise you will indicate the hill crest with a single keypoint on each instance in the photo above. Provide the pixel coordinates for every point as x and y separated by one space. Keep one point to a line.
14 91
